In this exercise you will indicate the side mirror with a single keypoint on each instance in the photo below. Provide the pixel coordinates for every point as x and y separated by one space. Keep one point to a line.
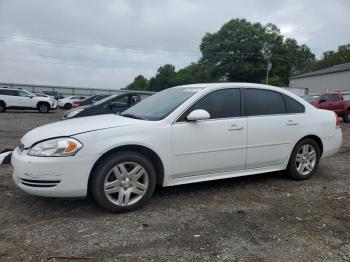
197 115
322 101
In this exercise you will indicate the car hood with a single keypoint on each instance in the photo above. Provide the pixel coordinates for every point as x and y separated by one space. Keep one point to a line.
75 126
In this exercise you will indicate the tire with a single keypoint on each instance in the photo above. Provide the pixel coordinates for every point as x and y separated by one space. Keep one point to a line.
2 107
67 106
125 194
346 116
43 107
304 159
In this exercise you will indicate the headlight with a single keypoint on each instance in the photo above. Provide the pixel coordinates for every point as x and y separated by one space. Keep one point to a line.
64 146
75 112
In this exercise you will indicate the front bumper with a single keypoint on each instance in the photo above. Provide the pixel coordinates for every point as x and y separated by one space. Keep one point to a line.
51 176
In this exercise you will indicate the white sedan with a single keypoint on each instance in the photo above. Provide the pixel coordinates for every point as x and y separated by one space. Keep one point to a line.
67 102
182 135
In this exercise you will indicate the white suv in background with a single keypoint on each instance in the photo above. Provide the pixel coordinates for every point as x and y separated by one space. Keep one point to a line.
22 99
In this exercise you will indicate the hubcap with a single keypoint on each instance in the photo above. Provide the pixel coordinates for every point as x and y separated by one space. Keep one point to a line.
43 108
126 183
306 159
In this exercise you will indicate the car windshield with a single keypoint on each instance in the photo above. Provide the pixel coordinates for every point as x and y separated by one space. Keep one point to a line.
311 98
160 105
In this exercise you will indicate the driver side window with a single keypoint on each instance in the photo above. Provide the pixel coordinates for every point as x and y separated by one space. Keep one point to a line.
224 103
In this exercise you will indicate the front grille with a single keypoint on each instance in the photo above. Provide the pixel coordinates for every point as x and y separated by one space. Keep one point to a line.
39 183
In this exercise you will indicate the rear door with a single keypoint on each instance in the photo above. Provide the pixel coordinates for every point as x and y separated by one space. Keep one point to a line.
271 130
325 102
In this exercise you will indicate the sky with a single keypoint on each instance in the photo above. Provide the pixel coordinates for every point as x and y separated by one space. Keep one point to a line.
107 43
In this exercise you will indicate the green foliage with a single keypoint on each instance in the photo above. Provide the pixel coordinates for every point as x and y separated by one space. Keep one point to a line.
139 83
238 52
331 58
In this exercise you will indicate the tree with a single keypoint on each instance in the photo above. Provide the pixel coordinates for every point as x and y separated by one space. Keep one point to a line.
331 58
240 49
163 79
240 52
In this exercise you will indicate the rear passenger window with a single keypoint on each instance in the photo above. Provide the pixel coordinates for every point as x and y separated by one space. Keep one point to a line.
223 103
293 106
335 98
263 102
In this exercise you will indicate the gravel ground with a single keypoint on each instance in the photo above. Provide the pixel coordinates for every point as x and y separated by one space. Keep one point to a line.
261 218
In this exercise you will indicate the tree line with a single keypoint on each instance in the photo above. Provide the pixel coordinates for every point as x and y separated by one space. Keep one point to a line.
242 51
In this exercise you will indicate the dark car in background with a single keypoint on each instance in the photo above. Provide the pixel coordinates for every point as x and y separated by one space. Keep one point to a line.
88 101
114 104
55 95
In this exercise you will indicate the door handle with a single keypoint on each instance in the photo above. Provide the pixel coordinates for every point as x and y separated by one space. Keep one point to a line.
292 123
235 127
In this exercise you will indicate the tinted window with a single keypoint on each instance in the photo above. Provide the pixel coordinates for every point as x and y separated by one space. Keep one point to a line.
335 97
120 100
219 104
293 106
9 92
263 102
324 98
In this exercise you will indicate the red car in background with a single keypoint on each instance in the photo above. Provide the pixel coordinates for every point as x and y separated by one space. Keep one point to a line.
332 101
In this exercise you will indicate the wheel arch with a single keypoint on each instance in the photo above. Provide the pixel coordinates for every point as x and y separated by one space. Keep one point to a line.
42 102
316 138
144 150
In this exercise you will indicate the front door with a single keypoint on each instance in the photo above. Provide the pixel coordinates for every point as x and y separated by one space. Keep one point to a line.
24 99
211 146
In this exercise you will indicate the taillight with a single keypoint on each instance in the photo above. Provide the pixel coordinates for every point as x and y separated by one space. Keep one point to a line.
337 121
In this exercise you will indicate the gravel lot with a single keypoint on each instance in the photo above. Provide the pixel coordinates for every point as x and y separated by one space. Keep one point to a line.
261 218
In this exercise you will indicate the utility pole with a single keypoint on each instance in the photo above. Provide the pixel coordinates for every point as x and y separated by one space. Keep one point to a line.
268 68
267 56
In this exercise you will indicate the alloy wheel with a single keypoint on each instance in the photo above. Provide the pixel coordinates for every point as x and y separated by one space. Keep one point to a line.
305 159
126 184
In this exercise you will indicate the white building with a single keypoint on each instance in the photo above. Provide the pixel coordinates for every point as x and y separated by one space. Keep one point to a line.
335 78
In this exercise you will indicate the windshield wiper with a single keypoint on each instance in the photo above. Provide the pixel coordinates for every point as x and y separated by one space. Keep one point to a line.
131 116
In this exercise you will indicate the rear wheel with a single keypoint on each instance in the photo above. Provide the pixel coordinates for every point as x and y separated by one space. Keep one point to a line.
346 116
2 107
304 159
123 182
43 107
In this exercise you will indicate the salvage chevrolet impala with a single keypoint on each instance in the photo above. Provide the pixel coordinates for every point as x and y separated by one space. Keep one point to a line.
182 135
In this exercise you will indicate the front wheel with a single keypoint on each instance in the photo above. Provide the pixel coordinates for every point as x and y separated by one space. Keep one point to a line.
123 182
304 159
43 108
2 107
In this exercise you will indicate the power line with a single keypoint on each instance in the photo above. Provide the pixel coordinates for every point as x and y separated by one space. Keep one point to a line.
86 59
41 41
75 64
